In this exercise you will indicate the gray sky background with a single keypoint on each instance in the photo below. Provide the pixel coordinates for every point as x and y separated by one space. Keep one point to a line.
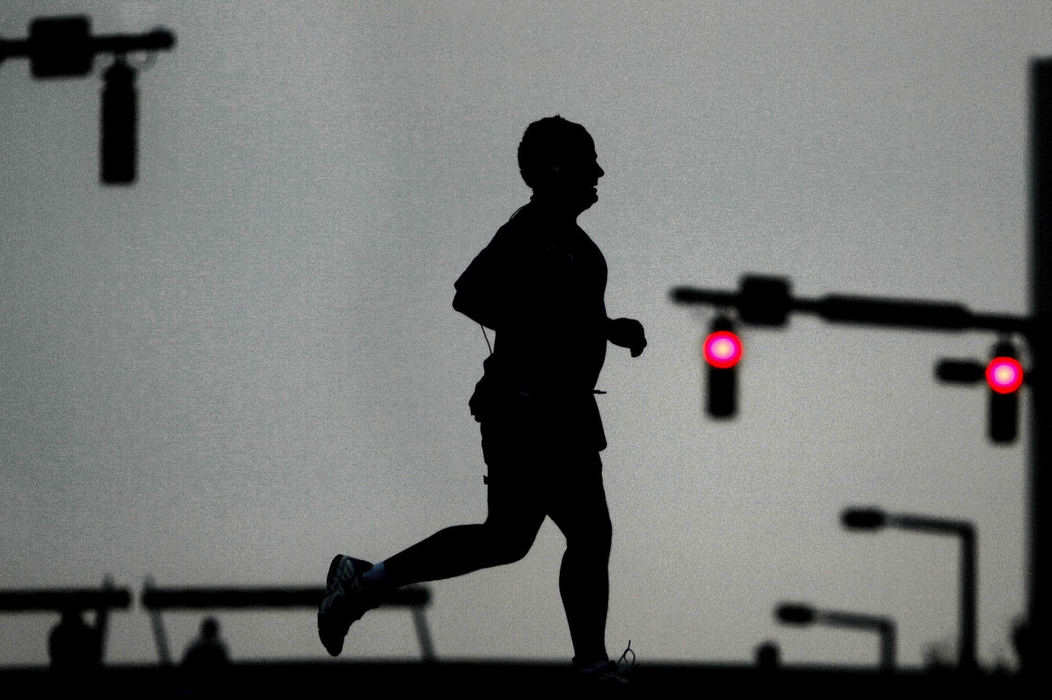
249 362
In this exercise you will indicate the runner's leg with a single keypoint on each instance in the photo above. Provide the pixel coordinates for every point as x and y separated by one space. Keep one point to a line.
515 516
579 508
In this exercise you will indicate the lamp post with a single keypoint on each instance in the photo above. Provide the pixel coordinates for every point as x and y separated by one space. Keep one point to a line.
872 519
804 614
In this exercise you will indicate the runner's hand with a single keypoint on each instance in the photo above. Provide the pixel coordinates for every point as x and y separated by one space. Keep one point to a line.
627 333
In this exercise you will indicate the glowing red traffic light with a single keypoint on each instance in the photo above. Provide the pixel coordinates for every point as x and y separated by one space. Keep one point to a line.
1004 374
722 349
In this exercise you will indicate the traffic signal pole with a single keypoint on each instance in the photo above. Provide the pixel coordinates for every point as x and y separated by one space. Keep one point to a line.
767 301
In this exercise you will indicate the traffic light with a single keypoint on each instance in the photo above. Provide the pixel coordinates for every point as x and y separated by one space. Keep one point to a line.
63 47
1004 376
119 125
722 351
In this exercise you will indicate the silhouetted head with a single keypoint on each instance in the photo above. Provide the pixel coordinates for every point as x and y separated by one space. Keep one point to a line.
767 655
557 160
210 628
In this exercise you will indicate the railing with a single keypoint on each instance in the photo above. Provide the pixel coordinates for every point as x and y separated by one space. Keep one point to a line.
156 599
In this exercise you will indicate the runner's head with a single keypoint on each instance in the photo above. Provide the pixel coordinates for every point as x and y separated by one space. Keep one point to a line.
557 160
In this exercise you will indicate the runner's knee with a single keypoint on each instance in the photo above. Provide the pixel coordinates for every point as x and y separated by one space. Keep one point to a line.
592 540
508 544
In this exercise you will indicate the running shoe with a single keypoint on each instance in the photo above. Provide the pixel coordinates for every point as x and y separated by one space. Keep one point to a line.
344 603
611 673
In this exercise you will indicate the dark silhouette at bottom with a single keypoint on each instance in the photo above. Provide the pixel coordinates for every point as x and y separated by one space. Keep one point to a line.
208 651
74 644
768 657
206 663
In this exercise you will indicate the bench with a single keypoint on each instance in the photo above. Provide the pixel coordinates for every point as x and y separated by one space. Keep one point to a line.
72 600
157 599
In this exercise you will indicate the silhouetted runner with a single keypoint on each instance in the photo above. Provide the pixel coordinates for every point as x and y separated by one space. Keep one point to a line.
539 285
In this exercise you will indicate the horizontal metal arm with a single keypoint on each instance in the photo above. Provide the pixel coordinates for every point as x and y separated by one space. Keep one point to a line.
851 619
843 308
156 40
65 599
938 526
202 598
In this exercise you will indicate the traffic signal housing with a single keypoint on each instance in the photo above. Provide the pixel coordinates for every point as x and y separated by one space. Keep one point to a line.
63 47
119 123
1004 377
723 352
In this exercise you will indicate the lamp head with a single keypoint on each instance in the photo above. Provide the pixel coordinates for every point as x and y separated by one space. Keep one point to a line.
795 613
863 518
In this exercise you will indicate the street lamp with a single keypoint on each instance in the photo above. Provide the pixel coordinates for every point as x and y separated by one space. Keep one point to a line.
872 519
804 614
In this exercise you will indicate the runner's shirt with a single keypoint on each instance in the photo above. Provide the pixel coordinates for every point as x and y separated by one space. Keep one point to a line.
540 285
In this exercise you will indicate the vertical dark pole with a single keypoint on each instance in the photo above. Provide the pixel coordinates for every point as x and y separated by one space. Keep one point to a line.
967 660
887 646
1041 310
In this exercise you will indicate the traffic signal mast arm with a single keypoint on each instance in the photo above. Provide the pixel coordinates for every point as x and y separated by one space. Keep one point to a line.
156 40
62 47
766 301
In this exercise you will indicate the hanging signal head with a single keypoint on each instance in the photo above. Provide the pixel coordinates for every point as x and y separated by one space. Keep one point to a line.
1004 376
722 351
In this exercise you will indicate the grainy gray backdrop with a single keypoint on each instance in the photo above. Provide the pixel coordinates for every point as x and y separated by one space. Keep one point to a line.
248 361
